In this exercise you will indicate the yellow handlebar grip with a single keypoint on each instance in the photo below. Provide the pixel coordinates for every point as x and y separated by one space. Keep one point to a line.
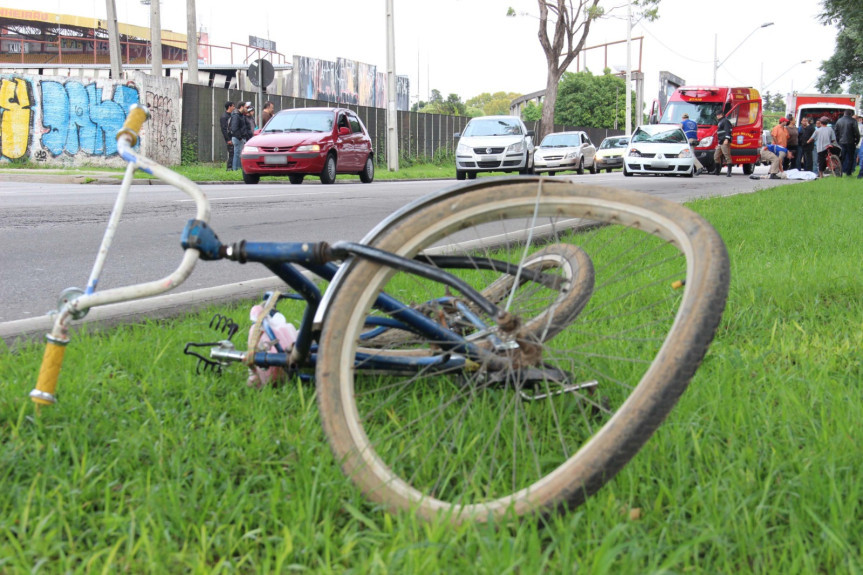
46 386
134 120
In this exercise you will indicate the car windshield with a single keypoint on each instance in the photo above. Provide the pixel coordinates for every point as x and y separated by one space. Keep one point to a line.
613 143
702 113
492 127
301 121
559 141
659 134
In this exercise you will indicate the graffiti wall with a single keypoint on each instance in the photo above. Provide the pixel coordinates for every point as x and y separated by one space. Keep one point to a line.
74 121
345 82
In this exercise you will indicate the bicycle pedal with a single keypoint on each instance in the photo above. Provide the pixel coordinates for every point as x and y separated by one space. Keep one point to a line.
203 363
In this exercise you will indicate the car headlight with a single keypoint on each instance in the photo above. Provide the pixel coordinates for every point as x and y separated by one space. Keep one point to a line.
706 142
571 155
309 148
633 153
250 149
685 153
463 150
516 148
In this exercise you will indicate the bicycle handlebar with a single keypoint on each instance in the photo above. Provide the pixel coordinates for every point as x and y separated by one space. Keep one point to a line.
127 139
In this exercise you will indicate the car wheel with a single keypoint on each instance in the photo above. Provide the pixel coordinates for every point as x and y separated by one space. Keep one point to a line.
296 178
580 168
328 174
552 173
607 170
368 173
626 172
748 169
471 175
593 169
459 175
691 172
251 178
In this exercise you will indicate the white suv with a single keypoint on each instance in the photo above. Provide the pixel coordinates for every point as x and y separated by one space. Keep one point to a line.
494 144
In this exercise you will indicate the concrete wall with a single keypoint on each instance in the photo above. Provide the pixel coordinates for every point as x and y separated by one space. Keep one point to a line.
72 121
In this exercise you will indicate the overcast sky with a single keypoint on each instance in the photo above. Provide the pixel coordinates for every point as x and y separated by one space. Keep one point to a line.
470 46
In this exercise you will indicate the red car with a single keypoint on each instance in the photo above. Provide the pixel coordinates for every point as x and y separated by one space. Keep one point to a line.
304 142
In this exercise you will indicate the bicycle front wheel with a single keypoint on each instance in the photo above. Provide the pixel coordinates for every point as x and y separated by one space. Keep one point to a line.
560 403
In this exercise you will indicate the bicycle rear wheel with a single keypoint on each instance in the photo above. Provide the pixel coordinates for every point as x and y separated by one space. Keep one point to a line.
554 414
834 166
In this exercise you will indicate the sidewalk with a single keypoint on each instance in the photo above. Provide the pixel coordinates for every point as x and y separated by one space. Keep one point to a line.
63 176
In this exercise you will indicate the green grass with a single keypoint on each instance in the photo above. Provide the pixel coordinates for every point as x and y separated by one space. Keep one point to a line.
144 467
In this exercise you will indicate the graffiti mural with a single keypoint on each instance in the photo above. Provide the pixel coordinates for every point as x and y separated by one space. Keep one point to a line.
16 122
366 84
75 120
345 82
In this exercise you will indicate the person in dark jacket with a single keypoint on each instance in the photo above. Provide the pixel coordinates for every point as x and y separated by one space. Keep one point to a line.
267 113
239 130
807 149
225 124
723 144
792 159
847 134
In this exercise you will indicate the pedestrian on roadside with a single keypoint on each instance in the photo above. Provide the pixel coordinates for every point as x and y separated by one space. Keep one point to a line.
239 131
267 113
690 128
807 148
774 155
793 157
823 138
848 135
250 119
723 144
780 133
225 125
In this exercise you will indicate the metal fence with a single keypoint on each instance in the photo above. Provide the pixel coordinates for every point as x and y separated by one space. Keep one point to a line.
422 137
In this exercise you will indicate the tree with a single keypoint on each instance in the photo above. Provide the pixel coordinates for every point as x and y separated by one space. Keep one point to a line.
845 67
452 106
493 104
773 104
587 100
532 112
570 24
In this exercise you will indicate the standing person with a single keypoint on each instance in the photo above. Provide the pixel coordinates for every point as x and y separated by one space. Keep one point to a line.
267 113
250 120
723 144
239 126
690 128
792 145
780 133
824 137
225 124
805 141
847 134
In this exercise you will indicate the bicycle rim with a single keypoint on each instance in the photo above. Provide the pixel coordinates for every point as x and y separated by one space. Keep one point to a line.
572 407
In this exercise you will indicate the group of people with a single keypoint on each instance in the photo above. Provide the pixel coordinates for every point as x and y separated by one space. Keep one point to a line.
794 147
238 126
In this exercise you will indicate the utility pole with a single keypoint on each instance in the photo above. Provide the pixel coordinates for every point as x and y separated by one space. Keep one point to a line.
392 116
191 42
156 37
114 42
629 68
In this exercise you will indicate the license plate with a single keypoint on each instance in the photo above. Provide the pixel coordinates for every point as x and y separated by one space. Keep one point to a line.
276 159
488 159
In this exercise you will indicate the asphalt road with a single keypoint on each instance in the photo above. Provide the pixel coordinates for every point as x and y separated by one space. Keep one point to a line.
50 233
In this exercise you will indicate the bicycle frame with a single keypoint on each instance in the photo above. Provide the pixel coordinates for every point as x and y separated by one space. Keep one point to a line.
200 241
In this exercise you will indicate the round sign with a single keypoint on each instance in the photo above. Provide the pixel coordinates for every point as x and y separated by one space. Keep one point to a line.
262 69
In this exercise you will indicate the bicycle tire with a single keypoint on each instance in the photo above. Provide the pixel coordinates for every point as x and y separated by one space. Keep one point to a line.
834 166
411 446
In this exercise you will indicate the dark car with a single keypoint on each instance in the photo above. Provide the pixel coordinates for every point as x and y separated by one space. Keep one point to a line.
304 142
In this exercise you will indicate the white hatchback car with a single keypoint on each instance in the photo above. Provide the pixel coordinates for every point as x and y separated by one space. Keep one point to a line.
659 149
565 151
494 144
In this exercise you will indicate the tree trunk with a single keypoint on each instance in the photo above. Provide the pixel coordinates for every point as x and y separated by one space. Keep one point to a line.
548 104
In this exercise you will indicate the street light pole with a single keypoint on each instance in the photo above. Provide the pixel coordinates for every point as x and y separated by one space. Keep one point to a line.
717 64
114 42
629 68
783 73
191 42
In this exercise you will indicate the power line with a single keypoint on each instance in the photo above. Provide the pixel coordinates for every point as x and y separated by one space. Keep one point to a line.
672 50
